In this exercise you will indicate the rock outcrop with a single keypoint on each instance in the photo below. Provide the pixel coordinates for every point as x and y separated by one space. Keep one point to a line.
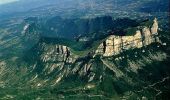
54 57
57 53
154 28
116 44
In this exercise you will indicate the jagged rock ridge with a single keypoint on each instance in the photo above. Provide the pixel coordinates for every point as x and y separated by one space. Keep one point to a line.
116 44
61 58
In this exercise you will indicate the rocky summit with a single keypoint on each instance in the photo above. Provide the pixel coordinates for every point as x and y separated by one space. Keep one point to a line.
144 36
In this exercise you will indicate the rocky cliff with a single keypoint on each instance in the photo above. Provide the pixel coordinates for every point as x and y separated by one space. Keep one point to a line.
144 36
58 57
58 53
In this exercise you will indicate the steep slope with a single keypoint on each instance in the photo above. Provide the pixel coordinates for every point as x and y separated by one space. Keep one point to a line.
116 44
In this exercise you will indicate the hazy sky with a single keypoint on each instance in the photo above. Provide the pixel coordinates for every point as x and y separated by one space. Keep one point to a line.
7 1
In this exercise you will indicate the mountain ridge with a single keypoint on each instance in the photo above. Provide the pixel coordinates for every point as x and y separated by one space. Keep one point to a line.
53 70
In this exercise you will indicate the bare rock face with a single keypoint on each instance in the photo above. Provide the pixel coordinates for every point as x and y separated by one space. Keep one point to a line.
54 57
138 39
57 53
128 42
154 29
116 44
109 46
147 35
100 49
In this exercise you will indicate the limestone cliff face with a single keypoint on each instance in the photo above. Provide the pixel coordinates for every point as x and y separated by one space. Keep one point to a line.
57 53
154 28
53 58
138 39
147 35
116 44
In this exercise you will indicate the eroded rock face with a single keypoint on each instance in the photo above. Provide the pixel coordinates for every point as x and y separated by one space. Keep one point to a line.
138 39
147 35
128 42
100 49
154 29
116 44
109 46
57 53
